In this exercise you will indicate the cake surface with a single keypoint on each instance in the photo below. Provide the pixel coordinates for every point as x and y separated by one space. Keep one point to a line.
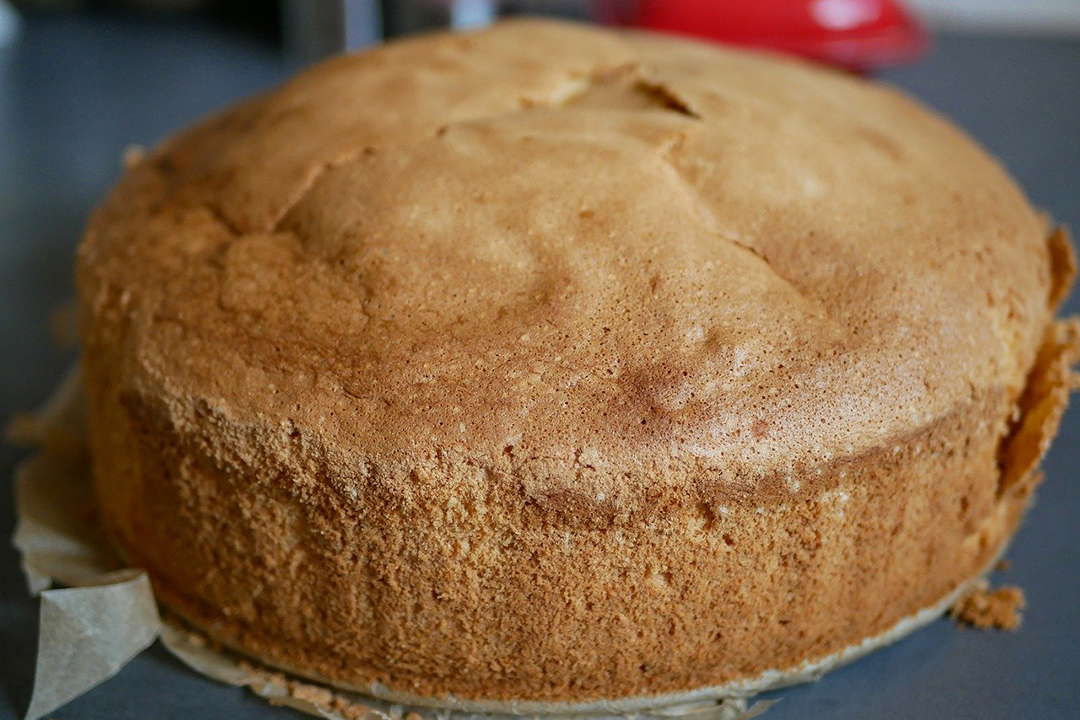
547 363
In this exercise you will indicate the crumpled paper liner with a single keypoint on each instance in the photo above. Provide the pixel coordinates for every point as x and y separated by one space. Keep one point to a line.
107 613
87 635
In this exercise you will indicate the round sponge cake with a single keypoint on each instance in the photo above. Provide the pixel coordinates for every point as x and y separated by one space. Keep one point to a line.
552 364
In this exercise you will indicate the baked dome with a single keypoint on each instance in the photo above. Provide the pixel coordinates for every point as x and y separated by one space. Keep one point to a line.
556 364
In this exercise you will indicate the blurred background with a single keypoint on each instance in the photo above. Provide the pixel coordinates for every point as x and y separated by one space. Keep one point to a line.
870 31
82 80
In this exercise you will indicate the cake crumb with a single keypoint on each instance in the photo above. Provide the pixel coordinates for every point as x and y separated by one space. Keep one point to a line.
197 640
275 678
984 608
1003 565
132 156
349 709
322 698
311 693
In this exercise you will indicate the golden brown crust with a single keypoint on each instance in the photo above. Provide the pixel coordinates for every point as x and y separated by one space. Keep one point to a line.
550 363
1042 403
982 608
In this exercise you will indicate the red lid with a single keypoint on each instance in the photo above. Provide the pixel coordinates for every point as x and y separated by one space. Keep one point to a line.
856 34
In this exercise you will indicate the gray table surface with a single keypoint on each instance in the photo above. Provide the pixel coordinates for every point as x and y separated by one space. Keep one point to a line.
76 90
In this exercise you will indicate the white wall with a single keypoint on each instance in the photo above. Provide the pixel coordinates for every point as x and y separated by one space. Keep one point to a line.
1053 16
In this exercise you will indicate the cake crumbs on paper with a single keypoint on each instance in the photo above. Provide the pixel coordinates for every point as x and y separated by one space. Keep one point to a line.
321 697
311 693
197 640
984 608
349 709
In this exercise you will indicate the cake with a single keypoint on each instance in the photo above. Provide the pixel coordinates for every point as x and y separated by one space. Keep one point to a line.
554 367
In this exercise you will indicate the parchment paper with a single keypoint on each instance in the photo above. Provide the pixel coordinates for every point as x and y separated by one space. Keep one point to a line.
106 615
87 635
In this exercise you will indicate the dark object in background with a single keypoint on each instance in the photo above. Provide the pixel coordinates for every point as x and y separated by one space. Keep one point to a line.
261 20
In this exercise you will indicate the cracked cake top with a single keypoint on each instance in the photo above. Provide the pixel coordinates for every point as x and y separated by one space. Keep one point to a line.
592 261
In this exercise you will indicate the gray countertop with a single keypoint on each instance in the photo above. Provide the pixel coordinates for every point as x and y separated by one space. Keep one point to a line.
76 90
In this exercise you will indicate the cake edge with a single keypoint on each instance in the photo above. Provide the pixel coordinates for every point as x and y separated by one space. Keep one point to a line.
772 679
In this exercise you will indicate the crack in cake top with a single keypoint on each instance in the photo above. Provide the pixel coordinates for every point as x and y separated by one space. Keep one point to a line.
583 256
